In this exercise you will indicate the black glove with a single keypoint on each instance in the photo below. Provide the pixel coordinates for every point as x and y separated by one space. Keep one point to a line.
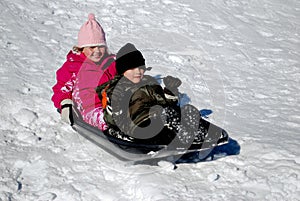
172 82
66 111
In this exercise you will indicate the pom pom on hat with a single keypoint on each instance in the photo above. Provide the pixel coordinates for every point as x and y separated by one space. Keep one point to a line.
91 16
91 33
128 57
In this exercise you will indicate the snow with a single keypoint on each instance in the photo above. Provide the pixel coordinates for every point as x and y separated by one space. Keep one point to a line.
237 59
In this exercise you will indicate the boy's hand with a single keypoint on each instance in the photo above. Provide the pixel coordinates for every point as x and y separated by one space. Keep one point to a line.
171 82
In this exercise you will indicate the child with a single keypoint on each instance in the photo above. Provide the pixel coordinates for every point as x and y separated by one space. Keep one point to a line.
135 105
90 52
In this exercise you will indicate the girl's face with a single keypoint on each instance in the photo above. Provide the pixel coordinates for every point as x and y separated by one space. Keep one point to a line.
94 53
135 75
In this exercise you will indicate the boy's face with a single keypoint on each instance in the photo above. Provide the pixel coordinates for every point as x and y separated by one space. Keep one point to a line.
135 75
94 53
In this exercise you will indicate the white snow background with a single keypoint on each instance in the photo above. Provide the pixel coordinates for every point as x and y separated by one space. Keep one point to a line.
238 59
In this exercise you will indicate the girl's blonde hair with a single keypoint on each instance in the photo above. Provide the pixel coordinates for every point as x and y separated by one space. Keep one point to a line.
76 49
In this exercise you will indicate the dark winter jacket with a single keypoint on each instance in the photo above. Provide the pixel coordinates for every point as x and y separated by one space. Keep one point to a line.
127 105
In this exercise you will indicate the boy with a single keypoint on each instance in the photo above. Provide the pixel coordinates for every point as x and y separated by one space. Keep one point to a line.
135 105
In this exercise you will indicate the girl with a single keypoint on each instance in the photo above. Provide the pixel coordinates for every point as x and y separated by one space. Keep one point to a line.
91 52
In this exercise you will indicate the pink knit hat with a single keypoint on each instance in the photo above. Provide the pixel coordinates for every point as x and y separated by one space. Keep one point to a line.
91 33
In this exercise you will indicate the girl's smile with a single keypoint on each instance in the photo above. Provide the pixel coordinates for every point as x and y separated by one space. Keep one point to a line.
94 53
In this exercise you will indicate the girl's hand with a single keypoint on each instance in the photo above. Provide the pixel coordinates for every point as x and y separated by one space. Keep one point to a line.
66 111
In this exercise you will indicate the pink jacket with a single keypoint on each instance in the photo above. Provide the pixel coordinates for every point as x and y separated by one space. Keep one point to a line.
85 97
65 77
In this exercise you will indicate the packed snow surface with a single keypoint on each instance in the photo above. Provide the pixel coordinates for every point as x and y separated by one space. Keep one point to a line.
237 59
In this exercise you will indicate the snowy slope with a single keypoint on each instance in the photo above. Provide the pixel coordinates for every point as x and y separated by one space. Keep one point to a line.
237 58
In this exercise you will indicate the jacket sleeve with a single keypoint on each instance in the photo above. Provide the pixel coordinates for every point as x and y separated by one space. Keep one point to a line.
171 97
107 76
87 82
64 85
109 72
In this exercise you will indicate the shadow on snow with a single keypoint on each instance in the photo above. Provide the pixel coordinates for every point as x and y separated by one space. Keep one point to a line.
231 148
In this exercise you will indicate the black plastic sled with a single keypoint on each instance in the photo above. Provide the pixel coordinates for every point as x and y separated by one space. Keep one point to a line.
134 151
